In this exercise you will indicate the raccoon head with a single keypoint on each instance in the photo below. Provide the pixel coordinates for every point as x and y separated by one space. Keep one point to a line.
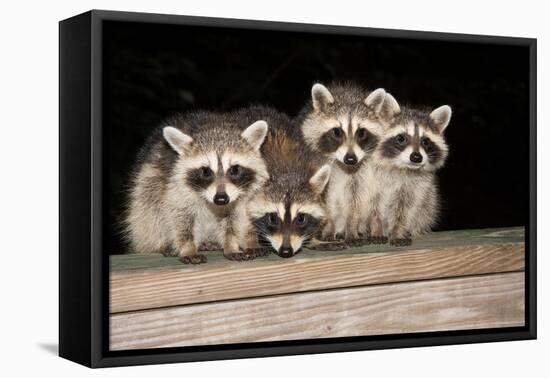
219 169
288 212
415 139
345 123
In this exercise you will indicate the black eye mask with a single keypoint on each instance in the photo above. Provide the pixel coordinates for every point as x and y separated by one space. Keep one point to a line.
365 139
200 177
432 150
240 176
304 225
393 146
331 140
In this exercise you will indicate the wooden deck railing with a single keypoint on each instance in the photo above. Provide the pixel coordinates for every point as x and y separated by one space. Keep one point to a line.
444 281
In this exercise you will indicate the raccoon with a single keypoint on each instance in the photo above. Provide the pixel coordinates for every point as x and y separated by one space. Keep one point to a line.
287 212
344 123
403 199
191 184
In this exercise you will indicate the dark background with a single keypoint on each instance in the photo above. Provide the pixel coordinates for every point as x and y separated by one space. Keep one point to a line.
152 71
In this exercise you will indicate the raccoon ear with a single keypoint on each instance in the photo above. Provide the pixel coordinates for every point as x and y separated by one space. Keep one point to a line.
321 97
319 180
176 139
375 100
255 134
390 108
441 117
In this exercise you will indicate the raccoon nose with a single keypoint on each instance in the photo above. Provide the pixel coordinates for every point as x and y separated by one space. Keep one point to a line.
221 199
350 159
416 157
286 252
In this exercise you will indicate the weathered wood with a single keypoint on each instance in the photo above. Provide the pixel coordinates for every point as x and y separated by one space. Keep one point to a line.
448 304
445 254
131 262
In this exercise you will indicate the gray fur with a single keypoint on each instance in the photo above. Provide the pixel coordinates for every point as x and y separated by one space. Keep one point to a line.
167 214
352 108
297 182
402 197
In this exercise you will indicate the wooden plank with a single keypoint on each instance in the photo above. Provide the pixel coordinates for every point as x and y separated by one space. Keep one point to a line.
146 289
132 262
489 301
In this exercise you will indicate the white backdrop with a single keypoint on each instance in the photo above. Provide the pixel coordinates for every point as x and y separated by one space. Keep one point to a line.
29 186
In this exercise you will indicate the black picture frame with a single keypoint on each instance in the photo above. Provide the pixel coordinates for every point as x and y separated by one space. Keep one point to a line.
83 269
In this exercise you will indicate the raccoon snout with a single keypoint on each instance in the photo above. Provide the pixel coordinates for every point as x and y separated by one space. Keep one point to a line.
286 252
416 157
221 199
350 159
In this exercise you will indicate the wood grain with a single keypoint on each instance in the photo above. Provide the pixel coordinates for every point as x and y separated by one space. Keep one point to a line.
489 301
139 289
132 262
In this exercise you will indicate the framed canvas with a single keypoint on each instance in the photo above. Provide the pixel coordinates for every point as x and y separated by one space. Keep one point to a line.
234 188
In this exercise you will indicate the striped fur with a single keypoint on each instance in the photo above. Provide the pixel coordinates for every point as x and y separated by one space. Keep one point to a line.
191 184
289 210
343 123
402 197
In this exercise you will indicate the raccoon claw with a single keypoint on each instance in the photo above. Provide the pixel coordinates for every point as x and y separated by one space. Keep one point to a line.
240 256
209 246
358 242
339 237
194 259
378 239
332 238
329 246
400 242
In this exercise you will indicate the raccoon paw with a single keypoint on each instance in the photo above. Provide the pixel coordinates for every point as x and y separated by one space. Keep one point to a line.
378 239
339 236
400 242
258 252
332 238
194 259
359 242
240 256
209 246
329 246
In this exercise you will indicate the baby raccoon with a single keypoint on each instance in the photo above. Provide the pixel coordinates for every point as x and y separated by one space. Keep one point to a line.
344 123
191 184
289 210
403 199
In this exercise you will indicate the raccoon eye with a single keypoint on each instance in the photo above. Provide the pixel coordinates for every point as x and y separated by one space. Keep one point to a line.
235 171
337 132
361 133
301 219
425 142
206 173
273 219
401 139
